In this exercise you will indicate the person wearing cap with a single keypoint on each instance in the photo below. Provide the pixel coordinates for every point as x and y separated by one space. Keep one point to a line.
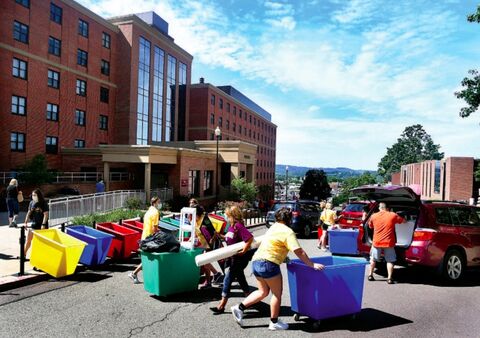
150 226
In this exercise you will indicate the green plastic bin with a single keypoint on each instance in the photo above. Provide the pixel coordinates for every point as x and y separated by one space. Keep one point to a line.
167 273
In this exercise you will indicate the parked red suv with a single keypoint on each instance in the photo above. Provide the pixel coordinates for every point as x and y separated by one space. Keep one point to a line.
443 235
351 218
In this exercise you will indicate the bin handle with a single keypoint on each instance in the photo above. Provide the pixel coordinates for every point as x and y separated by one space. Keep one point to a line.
54 243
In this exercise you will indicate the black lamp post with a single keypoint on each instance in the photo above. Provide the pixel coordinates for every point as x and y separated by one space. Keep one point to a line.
218 134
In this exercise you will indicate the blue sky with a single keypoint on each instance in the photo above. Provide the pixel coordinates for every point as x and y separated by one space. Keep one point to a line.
342 79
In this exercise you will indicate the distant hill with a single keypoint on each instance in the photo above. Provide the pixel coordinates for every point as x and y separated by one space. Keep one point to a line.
300 171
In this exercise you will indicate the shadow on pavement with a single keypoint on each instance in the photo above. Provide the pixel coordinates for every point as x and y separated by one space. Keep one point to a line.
195 297
365 321
7 257
89 277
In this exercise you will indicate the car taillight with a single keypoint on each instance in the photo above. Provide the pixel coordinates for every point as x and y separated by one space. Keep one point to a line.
295 213
423 234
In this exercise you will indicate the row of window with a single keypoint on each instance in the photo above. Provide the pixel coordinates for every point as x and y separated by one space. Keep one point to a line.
18 141
256 135
20 30
264 163
19 107
256 122
19 70
265 176
266 151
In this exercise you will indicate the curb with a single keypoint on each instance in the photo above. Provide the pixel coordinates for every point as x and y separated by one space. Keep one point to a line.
20 281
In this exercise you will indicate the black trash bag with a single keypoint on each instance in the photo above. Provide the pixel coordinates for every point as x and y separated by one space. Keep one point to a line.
160 242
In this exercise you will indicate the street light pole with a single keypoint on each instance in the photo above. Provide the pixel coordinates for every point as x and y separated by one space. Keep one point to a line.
218 134
286 184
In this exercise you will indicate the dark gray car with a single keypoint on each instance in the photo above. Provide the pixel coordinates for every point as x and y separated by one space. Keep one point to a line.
305 215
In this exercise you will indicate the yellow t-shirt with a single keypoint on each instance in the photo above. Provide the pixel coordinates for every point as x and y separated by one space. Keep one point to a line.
150 222
278 241
328 217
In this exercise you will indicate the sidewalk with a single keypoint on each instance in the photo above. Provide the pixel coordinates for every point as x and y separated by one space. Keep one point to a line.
9 256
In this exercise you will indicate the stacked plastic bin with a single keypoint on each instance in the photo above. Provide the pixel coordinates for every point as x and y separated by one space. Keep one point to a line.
98 243
125 240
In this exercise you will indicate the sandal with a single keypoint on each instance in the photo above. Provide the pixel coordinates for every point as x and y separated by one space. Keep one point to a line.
370 278
390 281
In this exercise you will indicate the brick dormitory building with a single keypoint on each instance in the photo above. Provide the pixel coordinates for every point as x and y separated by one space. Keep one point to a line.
114 96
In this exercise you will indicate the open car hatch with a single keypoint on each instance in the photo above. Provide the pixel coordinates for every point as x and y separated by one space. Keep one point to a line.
393 193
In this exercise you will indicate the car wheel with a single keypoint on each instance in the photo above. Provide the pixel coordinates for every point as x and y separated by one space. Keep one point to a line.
307 231
453 266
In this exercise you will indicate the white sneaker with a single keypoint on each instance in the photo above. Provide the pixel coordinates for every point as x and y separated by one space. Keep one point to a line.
134 278
279 325
237 314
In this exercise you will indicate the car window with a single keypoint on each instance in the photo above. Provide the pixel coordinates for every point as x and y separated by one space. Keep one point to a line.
443 216
308 207
278 206
355 207
465 216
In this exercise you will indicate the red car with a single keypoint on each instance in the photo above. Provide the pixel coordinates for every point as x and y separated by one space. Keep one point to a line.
442 235
351 218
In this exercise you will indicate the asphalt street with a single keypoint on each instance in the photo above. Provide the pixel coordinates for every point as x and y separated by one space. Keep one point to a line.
105 303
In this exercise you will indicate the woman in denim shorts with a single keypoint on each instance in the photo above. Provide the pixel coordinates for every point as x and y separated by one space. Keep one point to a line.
273 250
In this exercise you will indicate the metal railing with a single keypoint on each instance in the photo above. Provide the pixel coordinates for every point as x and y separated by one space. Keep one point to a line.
71 177
165 194
63 209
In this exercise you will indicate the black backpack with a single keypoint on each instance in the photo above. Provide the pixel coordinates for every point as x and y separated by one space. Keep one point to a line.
160 242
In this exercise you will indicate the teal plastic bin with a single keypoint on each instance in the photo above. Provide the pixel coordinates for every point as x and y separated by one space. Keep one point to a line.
167 273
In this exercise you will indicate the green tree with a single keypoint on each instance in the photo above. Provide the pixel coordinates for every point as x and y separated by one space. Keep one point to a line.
471 85
353 182
265 192
414 145
315 186
477 173
243 190
36 171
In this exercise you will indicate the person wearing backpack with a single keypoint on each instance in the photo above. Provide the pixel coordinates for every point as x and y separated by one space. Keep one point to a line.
150 226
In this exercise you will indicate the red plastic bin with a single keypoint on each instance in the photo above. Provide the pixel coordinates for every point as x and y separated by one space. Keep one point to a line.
134 225
125 241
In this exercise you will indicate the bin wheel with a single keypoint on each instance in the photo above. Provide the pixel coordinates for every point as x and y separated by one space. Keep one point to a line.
353 317
296 317
316 324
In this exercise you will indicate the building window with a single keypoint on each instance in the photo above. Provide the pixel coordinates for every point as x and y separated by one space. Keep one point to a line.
240 113
82 57
245 131
53 79
194 182
220 103
19 105
24 3
143 90
212 100
103 122
227 124
83 28
52 112
228 107
105 67
207 182
234 110
212 118
56 13
17 141
234 127
51 145
79 117
240 129
246 115
250 118
106 40
79 143
171 98
81 88
104 94
158 77
220 121
20 32
19 68
54 46
212 136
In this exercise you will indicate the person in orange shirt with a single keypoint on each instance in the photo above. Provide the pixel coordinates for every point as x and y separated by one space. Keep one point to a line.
383 225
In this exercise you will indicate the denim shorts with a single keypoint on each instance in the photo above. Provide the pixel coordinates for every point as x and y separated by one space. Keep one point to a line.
388 253
12 206
265 269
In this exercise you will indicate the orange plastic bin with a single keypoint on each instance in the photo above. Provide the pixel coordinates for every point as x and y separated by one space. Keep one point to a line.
125 241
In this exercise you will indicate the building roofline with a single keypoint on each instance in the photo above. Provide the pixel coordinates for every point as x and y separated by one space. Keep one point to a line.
92 15
221 92
133 19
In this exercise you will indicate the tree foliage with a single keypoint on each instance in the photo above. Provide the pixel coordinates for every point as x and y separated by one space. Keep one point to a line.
414 145
471 85
353 182
265 192
477 173
315 186
36 171
243 190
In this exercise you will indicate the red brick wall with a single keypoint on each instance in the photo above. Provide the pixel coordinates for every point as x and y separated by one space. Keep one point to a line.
459 178
396 178
35 89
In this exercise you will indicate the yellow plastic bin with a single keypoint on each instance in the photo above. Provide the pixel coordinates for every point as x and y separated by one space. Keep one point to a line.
55 253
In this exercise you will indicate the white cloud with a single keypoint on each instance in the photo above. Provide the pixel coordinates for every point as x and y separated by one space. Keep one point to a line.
355 11
280 15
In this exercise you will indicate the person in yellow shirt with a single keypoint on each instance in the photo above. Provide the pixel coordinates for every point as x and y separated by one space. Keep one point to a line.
150 226
277 242
328 217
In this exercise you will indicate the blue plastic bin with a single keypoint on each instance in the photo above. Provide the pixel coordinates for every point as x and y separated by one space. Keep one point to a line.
98 243
335 291
343 241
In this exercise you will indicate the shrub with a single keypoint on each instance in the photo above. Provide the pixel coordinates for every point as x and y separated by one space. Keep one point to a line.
112 216
134 203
